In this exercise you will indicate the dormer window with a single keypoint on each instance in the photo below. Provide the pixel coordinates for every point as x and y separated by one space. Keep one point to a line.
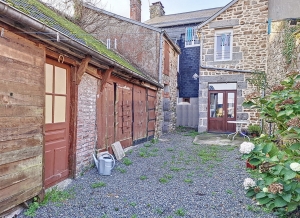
191 38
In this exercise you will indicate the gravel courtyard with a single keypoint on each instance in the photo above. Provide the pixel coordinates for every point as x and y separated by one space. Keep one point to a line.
173 177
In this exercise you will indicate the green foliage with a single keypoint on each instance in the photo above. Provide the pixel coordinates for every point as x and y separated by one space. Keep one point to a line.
55 195
277 186
289 41
188 180
143 177
254 129
98 184
121 170
127 161
180 212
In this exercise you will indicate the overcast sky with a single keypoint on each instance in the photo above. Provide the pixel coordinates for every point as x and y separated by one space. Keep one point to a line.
121 7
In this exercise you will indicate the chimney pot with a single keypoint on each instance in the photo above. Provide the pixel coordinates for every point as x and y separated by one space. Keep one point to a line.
156 10
135 10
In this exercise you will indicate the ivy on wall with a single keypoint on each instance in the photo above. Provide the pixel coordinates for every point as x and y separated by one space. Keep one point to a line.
291 43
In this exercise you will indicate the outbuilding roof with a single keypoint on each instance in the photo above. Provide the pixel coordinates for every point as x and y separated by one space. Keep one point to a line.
40 12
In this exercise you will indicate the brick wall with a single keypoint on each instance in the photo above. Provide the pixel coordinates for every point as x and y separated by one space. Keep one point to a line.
247 19
86 122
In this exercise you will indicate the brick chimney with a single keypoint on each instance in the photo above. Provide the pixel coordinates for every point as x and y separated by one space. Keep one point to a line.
156 10
135 10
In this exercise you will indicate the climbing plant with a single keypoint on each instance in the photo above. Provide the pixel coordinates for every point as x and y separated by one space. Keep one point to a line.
290 49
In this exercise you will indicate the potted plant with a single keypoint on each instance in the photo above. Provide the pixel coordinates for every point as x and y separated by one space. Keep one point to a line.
254 130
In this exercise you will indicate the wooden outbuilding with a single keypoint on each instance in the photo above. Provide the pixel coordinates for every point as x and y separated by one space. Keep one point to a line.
63 96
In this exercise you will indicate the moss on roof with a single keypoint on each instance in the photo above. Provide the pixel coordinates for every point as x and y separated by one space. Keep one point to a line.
41 12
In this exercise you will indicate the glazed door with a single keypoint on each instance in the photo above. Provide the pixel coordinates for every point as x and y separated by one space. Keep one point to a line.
222 108
57 104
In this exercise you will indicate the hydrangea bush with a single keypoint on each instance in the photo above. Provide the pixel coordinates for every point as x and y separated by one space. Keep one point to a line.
277 158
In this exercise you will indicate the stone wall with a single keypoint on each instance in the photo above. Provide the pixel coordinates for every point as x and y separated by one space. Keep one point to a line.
247 19
170 91
137 44
277 65
86 122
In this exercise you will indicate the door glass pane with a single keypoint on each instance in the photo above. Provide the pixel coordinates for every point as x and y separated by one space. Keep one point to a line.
230 105
49 78
48 109
59 109
216 105
60 80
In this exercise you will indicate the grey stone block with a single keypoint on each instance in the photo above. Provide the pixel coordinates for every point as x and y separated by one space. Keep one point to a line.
202 129
165 128
237 56
223 78
166 104
203 100
167 116
209 58
242 116
236 49
240 101
210 51
203 115
224 23
241 85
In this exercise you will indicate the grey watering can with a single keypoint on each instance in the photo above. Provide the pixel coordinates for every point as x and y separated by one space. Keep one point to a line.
105 164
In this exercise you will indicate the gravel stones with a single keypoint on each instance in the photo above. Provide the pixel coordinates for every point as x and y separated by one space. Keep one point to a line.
201 181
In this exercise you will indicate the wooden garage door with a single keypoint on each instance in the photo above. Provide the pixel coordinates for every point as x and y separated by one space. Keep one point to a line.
151 100
139 113
124 115
56 122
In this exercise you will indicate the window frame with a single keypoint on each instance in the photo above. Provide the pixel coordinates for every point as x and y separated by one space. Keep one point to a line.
195 37
218 33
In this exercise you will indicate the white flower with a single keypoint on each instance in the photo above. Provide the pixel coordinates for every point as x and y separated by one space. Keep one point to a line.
265 189
246 147
295 167
249 183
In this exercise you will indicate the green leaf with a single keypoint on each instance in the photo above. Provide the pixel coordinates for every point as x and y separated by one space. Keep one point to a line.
287 197
274 159
248 104
274 151
250 193
295 146
272 195
297 190
287 187
292 206
288 174
279 202
289 112
255 161
269 180
260 195
281 113
277 169
264 200
267 148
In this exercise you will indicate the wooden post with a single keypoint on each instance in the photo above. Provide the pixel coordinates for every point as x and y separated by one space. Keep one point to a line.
82 68
105 77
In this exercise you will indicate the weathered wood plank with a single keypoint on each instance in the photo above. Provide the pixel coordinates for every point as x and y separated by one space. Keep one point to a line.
20 122
13 145
12 70
24 89
20 165
17 111
19 198
35 181
21 154
82 68
105 77
16 47
19 99
17 177
19 133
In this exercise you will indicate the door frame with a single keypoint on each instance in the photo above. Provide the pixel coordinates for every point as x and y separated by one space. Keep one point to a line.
225 114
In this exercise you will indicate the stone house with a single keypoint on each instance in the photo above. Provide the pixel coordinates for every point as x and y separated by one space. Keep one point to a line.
149 49
233 46
182 29
63 96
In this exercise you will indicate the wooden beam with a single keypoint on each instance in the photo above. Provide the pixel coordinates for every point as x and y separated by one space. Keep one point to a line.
105 77
56 55
82 68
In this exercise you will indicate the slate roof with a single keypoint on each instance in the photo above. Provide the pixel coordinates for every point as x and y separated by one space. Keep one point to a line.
183 18
45 15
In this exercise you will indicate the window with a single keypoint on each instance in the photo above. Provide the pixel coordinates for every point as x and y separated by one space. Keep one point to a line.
166 58
186 100
223 45
108 43
191 38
